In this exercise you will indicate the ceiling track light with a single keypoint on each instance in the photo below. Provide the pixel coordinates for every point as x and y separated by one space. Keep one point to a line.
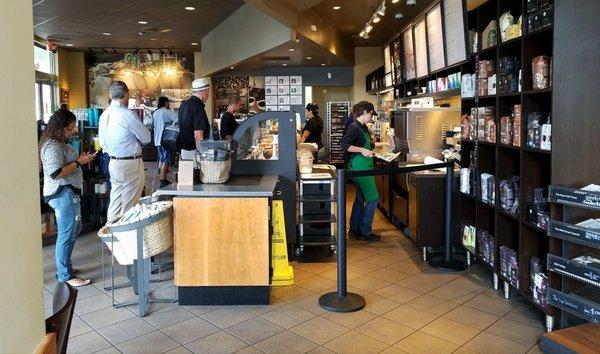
376 19
381 9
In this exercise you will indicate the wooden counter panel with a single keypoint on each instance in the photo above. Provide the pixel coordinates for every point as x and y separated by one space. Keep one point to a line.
221 241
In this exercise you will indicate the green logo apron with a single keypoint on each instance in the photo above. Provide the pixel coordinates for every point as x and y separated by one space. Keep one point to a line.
361 163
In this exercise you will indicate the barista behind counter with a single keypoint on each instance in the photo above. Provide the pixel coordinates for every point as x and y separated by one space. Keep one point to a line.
228 122
313 130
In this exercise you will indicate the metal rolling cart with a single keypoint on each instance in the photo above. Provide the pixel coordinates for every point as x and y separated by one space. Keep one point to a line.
316 203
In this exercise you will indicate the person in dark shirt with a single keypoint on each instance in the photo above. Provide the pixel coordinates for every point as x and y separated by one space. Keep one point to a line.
350 119
358 146
313 129
228 122
193 122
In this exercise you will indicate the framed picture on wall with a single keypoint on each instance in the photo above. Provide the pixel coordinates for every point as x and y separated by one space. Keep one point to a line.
283 108
296 90
283 80
270 80
295 80
283 90
283 100
271 100
271 90
296 100
270 108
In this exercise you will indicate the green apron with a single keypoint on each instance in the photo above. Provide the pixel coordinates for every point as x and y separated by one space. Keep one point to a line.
361 163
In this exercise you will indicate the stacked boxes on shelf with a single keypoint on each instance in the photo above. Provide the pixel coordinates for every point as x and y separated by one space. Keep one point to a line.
539 131
488 188
485 246
486 82
509 74
539 14
509 265
538 282
509 194
485 122
539 210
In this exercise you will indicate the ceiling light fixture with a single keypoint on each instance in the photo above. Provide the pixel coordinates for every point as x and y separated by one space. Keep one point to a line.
323 64
143 22
366 36
106 33
194 43
190 8
395 1
69 44
308 58
231 67
369 28
291 49
376 19
381 10
284 64
152 38
337 7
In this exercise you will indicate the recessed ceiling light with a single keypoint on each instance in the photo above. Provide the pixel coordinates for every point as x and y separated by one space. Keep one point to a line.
190 8
308 58
337 7
323 64
143 22
313 28
194 43
284 64
106 33
152 38
395 1
69 44
291 49
231 67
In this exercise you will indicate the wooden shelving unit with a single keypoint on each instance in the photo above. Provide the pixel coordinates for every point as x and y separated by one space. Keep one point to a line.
532 166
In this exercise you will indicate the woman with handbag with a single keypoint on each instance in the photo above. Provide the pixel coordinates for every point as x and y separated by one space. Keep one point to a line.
63 181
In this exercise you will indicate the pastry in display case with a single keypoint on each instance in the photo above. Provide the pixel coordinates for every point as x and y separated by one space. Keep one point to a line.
260 141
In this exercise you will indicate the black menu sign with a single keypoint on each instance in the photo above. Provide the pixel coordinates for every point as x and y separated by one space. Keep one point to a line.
454 20
435 39
421 49
397 60
409 55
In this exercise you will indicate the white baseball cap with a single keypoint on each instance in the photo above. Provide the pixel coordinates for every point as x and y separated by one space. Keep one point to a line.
200 84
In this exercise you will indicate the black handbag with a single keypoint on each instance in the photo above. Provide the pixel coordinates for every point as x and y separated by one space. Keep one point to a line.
171 138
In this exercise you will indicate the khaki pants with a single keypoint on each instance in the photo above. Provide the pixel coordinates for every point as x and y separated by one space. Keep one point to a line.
127 183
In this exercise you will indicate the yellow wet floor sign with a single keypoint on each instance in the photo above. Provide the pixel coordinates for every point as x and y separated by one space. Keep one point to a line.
283 273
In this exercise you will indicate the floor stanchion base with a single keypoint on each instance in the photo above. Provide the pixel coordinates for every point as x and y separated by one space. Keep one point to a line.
453 265
352 302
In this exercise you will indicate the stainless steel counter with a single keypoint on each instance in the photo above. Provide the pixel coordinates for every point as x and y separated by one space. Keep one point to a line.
237 186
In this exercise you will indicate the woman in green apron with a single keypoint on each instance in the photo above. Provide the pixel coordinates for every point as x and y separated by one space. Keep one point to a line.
358 146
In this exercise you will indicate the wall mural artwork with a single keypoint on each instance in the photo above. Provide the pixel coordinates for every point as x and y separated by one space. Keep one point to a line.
146 75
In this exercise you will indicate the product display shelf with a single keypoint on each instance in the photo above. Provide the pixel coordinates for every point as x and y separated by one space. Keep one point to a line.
532 166
579 293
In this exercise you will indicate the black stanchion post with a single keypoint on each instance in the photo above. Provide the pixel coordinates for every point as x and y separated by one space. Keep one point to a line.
446 262
342 300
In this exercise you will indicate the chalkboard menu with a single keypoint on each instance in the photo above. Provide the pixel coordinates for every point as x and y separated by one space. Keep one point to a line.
397 60
421 49
409 55
454 21
435 39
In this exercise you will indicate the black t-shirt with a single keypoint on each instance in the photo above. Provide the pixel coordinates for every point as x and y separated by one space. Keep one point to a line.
315 127
228 124
192 117
354 136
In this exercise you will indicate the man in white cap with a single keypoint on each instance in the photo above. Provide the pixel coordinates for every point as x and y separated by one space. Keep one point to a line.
193 121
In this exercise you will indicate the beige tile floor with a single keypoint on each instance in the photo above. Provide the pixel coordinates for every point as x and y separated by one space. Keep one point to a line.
410 308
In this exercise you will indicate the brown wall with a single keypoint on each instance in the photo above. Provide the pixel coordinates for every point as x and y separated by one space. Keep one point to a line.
72 76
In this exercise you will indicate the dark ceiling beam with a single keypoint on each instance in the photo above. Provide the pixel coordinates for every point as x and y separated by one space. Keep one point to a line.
299 16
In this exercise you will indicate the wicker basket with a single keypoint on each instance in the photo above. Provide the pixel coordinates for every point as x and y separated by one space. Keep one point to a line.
157 238
215 171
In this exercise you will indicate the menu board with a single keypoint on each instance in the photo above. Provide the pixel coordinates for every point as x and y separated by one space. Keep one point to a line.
397 60
387 64
456 48
409 55
421 49
435 39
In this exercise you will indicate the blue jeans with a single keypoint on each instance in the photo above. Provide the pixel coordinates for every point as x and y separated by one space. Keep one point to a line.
361 219
67 209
